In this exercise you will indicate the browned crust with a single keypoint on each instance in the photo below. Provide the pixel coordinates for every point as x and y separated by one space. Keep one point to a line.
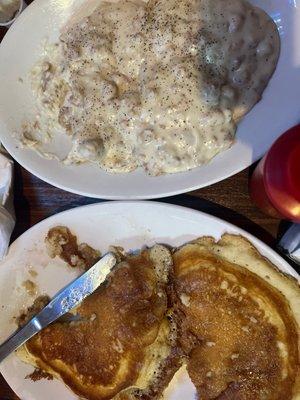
231 253
134 295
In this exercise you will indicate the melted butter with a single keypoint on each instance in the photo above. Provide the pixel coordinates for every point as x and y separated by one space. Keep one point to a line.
158 85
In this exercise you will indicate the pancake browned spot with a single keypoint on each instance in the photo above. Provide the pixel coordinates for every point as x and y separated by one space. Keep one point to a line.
239 321
122 339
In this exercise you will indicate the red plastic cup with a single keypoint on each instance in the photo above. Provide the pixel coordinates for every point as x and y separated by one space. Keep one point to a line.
275 184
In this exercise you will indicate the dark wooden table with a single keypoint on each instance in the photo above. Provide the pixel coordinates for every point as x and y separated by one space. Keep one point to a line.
229 200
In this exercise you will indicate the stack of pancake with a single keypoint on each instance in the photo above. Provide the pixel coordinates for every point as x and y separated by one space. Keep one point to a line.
219 308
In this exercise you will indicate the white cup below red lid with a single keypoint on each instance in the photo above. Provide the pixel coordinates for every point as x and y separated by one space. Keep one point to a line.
22 6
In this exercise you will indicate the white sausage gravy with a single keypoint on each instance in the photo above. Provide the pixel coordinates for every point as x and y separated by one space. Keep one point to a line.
158 85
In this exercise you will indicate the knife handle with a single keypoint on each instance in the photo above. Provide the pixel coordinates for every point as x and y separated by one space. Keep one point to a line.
18 338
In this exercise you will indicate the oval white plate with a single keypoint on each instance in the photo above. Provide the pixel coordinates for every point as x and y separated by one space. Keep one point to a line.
278 110
128 224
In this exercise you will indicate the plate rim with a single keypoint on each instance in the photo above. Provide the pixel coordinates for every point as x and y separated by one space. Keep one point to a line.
255 241
133 196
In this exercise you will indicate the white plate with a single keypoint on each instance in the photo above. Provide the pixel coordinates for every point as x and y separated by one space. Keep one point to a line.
128 224
279 109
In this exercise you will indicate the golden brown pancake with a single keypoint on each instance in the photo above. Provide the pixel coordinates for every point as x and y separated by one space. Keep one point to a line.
123 336
239 321
224 310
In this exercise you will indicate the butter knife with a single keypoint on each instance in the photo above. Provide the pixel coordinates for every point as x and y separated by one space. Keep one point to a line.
66 299
290 243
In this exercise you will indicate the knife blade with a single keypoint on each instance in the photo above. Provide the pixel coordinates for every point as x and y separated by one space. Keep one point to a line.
64 301
290 243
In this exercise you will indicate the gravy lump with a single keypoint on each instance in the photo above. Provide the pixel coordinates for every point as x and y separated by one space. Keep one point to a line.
158 85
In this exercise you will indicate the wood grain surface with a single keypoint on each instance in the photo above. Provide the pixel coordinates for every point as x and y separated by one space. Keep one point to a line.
229 200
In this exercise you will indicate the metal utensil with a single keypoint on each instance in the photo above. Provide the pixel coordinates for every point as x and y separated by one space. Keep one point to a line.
290 243
63 302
